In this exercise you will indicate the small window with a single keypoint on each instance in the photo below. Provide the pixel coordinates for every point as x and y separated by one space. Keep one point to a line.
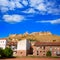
43 51
20 52
43 54
55 48
40 51
54 40
50 48
3 41
15 52
37 53
54 52
58 48
43 47
40 46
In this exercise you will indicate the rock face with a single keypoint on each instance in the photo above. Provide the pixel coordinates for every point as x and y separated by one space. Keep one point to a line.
41 33
36 36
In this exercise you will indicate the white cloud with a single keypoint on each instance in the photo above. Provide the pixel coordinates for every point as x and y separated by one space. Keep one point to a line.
31 10
4 3
25 2
46 6
41 7
57 21
10 5
34 3
18 5
4 9
37 5
13 18
54 11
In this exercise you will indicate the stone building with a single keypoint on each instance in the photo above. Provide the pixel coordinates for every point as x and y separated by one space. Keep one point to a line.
23 47
41 48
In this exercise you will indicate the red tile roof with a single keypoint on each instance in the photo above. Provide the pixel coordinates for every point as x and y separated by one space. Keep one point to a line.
47 44
3 39
12 43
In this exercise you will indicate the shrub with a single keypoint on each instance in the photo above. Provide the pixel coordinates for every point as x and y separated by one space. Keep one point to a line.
48 53
8 52
1 52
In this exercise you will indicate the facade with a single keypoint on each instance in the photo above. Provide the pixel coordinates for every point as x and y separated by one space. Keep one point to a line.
3 43
23 47
41 48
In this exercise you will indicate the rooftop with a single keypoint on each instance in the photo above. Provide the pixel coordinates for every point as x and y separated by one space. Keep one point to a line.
47 44
3 39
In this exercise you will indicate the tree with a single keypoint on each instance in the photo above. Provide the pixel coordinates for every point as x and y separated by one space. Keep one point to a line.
8 52
1 52
48 53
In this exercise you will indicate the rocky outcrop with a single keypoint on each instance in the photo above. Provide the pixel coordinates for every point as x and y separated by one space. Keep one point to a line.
38 36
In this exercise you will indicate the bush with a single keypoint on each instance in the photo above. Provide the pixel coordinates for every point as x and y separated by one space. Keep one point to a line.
48 53
8 52
1 52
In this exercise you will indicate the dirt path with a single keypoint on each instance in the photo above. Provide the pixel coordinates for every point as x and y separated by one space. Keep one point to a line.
32 59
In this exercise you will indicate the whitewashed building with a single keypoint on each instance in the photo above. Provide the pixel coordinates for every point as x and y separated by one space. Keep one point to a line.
23 47
3 43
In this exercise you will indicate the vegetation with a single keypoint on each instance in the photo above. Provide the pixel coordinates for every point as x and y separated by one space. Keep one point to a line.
1 52
6 53
38 36
32 40
48 53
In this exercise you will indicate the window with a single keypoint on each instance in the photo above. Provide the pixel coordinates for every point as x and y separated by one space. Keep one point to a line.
54 40
38 48
58 52
54 52
40 51
43 51
37 53
20 52
43 47
0 41
3 41
14 52
50 48
43 54
58 48
55 47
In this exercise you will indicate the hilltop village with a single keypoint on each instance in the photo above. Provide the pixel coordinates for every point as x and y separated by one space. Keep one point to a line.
35 44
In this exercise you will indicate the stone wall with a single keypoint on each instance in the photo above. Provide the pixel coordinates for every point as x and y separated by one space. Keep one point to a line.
40 51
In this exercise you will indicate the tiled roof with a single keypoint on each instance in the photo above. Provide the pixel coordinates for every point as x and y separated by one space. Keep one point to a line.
47 44
3 39
12 43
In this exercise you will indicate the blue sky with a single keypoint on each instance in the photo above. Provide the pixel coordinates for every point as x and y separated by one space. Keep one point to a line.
20 16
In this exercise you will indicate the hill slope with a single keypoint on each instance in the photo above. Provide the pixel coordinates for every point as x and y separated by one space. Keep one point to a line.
36 36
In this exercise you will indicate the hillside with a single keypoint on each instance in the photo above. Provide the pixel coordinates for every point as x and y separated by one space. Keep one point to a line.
35 36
